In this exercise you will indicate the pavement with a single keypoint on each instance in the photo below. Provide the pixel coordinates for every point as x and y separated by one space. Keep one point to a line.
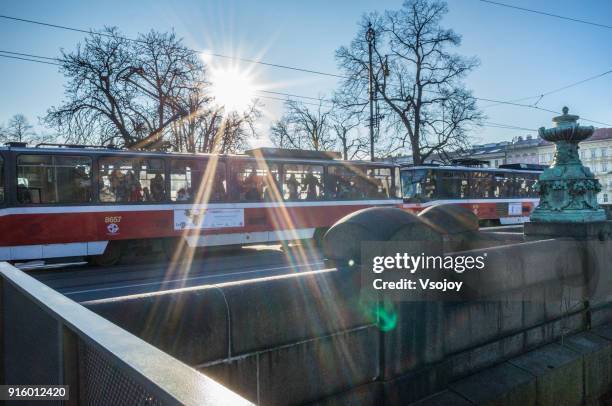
81 282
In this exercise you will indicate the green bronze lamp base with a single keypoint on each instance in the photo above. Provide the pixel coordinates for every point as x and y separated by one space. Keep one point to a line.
568 216
568 190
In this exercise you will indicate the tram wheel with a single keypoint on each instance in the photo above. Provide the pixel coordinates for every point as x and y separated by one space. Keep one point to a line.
174 248
111 255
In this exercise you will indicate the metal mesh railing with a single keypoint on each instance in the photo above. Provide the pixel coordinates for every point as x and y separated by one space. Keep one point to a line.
102 383
55 341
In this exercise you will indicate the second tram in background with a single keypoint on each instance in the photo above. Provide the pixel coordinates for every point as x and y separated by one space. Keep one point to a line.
69 201
504 195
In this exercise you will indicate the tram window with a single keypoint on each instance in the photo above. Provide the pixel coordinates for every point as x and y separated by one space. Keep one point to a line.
302 182
396 188
254 181
501 185
481 184
1 180
521 186
344 182
418 185
197 180
529 185
379 183
132 180
45 179
452 185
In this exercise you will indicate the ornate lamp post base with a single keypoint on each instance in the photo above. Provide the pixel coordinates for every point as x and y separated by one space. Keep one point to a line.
568 190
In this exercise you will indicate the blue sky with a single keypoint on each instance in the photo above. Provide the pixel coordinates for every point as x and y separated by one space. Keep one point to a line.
521 54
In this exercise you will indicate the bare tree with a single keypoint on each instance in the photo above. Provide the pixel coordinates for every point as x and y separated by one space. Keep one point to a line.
166 74
417 78
19 129
97 105
345 124
282 136
125 91
304 127
210 128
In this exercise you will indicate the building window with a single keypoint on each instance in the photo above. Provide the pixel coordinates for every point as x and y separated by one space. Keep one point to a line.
593 152
605 198
582 154
604 151
604 167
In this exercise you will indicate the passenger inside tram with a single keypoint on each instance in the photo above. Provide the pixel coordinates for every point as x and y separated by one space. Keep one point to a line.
292 186
251 186
311 186
157 192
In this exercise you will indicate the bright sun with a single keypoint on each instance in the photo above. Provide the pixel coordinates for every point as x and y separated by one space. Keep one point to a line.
232 89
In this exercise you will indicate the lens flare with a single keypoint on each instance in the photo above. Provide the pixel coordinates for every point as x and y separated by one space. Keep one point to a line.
232 89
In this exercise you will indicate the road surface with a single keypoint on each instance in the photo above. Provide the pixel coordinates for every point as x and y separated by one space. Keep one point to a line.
83 283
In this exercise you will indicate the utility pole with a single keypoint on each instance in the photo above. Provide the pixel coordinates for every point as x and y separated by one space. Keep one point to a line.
370 37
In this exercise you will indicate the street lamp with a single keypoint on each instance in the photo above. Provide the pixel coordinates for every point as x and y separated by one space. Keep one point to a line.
370 37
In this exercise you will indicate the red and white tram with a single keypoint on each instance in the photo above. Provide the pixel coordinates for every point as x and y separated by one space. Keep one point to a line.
67 201
497 196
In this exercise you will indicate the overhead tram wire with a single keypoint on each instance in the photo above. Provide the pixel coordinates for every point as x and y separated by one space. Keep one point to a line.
27 56
28 59
284 100
258 62
31 56
248 60
576 20
12 53
544 94
12 56
286 66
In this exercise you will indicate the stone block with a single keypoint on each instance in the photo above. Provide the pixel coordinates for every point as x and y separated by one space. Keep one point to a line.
601 316
417 339
276 312
604 330
415 385
459 365
597 357
511 312
558 372
364 395
589 230
443 398
190 325
312 370
467 324
239 375
504 384
309 371
554 330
